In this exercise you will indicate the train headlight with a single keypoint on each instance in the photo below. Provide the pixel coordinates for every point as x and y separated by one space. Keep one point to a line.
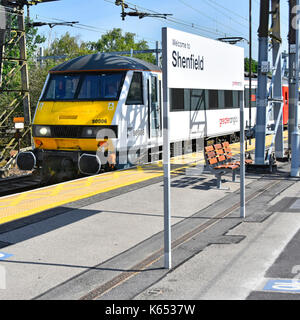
42 131
89 132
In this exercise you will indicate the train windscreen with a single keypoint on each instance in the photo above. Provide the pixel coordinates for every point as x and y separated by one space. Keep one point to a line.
100 86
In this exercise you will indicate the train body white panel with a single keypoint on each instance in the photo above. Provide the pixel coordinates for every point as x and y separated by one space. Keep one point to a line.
187 125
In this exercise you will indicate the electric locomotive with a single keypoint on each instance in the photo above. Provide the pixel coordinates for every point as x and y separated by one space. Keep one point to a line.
91 111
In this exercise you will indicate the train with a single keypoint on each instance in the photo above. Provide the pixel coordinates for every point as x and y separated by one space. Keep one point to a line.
101 112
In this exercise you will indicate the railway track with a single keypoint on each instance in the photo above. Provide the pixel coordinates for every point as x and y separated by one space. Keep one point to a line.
18 184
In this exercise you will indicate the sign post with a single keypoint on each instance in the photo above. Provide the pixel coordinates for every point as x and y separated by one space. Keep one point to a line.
166 154
242 160
204 79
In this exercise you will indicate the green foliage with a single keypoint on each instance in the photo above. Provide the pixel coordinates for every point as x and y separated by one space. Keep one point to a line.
254 65
69 46
33 39
114 40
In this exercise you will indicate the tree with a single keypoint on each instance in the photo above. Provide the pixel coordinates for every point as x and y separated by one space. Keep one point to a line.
115 41
33 39
67 45
254 65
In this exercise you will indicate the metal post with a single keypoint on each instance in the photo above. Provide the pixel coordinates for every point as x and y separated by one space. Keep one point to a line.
261 101
292 74
242 160
295 133
166 154
277 88
41 56
24 69
156 54
2 36
250 66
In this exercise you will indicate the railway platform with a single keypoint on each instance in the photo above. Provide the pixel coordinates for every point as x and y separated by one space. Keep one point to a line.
101 237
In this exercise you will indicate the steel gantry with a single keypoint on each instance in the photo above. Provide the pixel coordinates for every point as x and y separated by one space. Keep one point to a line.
13 66
294 86
269 99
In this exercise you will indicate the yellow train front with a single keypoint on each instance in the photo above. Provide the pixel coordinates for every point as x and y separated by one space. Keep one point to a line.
77 118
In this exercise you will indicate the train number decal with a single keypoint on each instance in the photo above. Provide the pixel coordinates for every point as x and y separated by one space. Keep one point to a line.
99 121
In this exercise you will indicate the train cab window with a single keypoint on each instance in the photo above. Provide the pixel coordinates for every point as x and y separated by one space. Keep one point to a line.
103 86
62 87
110 85
135 94
90 87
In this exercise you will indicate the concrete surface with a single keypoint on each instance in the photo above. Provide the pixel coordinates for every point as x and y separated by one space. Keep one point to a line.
85 246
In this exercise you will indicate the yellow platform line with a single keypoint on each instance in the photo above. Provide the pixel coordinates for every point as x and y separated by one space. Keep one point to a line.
31 202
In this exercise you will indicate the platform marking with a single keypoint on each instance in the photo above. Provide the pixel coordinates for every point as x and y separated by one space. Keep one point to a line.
18 199
89 181
56 190
4 255
283 285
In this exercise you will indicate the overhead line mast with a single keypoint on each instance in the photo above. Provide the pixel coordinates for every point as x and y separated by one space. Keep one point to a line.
13 55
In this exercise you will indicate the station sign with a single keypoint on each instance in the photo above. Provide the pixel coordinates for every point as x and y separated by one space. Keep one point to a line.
202 63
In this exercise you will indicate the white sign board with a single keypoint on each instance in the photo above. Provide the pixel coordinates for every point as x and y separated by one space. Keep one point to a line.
201 63
194 62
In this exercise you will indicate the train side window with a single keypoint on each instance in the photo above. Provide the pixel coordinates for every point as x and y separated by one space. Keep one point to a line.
187 99
241 97
235 99
177 99
228 99
135 93
199 99
253 98
221 97
213 99
246 98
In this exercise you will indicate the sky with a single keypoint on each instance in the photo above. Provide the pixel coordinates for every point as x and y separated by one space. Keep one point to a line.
208 18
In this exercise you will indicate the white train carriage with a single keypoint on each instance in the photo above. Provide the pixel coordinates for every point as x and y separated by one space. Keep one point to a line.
79 125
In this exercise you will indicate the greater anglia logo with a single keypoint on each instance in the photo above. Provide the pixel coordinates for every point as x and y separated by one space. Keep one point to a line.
224 121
